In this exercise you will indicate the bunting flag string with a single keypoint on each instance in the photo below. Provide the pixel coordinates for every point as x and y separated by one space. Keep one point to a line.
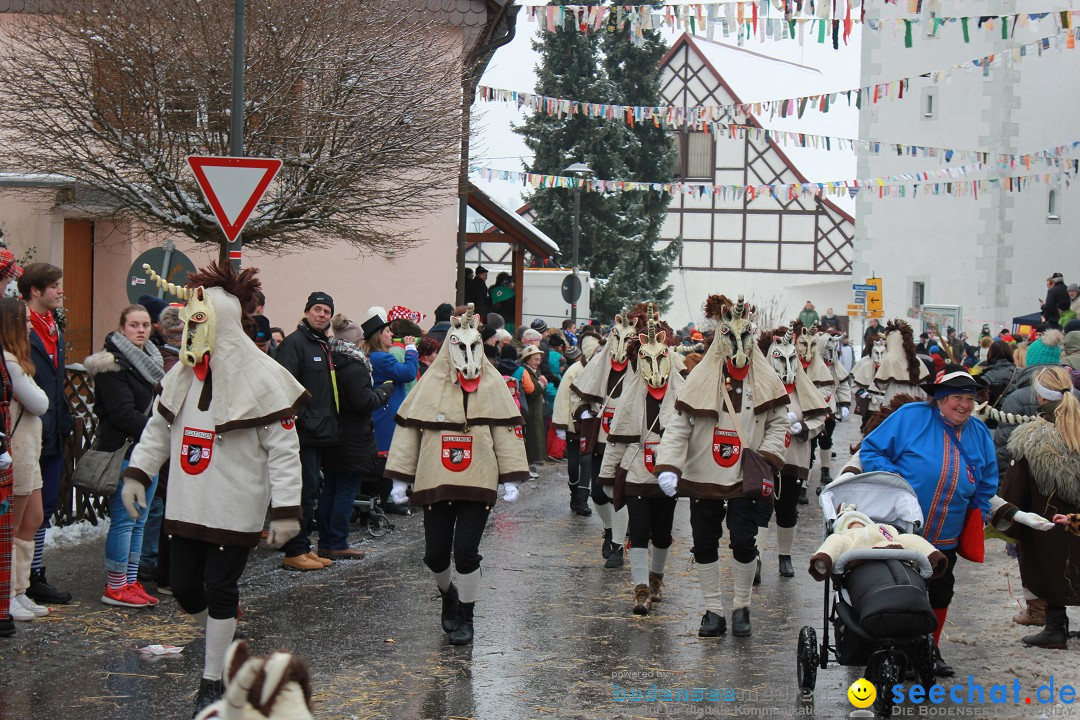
708 117
672 117
945 181
779 20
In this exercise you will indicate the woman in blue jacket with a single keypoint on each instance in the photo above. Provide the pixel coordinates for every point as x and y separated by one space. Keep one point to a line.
378 337
948 458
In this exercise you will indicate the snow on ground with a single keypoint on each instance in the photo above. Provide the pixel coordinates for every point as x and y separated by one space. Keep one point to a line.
76 534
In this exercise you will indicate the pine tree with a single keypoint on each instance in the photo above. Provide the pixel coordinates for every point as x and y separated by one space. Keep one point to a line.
618 231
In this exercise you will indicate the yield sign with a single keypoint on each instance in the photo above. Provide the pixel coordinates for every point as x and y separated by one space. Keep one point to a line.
233 186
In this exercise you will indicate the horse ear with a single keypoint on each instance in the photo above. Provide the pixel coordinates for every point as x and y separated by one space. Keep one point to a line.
618 319
643 338
661 337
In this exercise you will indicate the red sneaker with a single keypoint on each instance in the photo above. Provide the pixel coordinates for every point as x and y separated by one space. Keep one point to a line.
124 597
138 589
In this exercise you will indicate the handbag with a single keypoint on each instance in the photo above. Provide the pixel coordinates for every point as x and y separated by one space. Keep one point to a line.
758 476
98 471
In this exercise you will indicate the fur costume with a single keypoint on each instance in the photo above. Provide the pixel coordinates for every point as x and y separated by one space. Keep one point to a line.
853 530
277 687
900 371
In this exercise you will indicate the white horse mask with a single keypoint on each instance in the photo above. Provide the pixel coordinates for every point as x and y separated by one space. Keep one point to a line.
736 335
654 364
466 349
784 356
620 335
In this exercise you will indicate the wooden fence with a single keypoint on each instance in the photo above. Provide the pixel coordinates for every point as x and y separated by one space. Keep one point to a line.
74 504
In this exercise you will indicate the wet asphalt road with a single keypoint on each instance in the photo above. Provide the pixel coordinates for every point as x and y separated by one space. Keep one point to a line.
554 634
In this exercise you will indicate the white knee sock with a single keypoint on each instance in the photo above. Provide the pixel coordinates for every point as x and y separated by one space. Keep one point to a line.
744 582
442 579
619 522
659 559
219 636
785 538
824 458
604 512
467 585
23 555
639 565
709 577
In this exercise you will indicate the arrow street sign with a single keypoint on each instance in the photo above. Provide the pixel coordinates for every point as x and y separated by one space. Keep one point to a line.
233 187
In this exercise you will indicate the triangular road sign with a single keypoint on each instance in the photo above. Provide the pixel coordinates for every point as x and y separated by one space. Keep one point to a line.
233 186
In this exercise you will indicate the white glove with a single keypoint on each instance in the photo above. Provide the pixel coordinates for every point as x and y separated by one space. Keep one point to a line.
668 482
844 412
796 427
134 497
281 531
586 415
561 434
792 417
397 493
510 492
1032 520
5 460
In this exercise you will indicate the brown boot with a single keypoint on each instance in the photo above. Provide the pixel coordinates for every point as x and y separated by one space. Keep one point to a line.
656 581
1033 614
642 603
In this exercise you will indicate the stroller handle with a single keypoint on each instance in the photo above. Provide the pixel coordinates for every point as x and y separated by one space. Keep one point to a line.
912 556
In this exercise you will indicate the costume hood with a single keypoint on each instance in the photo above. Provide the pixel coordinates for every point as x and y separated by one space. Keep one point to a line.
629 423
900 363
701 394
1054 466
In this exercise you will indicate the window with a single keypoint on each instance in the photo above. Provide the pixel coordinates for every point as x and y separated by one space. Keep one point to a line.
930 103
1052 207
918 294
696 156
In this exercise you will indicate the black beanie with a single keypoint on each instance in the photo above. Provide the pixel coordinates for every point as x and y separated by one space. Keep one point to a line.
443 312
319 298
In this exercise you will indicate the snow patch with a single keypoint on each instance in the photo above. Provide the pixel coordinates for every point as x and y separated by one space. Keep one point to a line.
76 534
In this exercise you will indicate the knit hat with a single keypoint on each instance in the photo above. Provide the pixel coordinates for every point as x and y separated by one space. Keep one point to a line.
153 305
400 312
1046 350
1073 287
319 298
495 320
346 329
262 329
480 269
374 322
1057 276
487 332
9 269
572 354
848 515
539 325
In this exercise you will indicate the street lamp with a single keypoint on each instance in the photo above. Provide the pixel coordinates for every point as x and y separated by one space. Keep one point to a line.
578 170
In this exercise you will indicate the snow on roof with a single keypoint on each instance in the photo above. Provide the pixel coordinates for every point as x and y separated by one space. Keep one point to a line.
517 220
753 76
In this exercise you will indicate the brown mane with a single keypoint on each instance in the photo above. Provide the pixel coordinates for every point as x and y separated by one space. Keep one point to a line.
767 337
906 333
714 304
879 417
242 285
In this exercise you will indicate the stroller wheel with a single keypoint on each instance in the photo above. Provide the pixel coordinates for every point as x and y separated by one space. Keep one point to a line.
806 661
889 672
378 524
924 660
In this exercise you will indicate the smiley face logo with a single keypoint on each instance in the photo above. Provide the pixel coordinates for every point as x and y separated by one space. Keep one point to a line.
862 693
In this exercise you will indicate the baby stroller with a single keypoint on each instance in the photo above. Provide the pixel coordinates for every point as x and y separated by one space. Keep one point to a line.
879 611
367 508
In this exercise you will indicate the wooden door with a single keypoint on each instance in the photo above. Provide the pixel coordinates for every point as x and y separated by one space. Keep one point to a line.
78 284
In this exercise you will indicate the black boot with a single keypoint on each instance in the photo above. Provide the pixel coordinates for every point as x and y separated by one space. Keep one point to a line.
826 476
210 691
740 622
608 546
757 573
615 559
802 495
41 592
786 568
7 626
583 508
573 499
451 607
712 625
1055 634
941 668
463 631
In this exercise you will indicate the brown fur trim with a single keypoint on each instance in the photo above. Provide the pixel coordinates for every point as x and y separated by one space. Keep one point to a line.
518 477
819 412
776 462
285 512
278 416
667 468
394 475
623 439
878 417
169 417
137 475
913 363
214 536
585 396
820 577
709 491
939 562
454 493
462 427
795 471
714 305
296 671
768 337
774 403
694 412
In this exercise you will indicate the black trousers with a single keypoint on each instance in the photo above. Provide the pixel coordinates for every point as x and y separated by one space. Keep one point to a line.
940 589
310 469
650 520
786 504
599 497
579 466
454 527
707 526
207 577
824 438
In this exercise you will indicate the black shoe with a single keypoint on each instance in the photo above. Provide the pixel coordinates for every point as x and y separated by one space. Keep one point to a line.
582 508
608 546
757 573
210 691
7 626
941 668
786 568
802 496
451 608
463 631
712 625
615 559
1054 635
826 476
41 592
740 622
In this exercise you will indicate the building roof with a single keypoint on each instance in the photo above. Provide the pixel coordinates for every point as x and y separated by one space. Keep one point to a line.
510 223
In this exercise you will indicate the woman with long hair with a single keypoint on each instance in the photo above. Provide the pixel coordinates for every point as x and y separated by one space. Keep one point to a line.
126 374
1044 479
999 371
27 406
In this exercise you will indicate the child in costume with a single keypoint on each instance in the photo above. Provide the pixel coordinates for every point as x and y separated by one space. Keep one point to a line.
225 416
458 438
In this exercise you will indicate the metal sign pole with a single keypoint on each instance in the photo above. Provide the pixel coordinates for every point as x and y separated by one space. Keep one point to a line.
236 130
577 236
169 247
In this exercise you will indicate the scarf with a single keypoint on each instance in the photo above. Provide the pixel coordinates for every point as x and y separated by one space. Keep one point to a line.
45 327
350 350
147 361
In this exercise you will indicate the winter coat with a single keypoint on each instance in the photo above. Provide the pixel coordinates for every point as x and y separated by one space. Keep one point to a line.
567 401
809 318
1057 301
438 331
56 423
1070 352
28 404
356 452
476 292
1043 477
829 323
998 375
535 433
121 398
385 367
305 353
1020 400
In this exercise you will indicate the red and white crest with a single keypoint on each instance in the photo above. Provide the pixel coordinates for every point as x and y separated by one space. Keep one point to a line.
606 417
787 439
583 442
196 450
456 452
520 432
288 423
726 447
650 455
